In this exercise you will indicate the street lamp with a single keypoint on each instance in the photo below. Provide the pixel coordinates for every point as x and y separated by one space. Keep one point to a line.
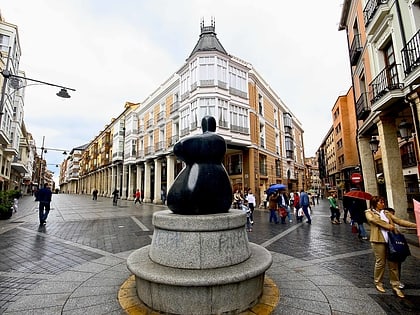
41 162
7 75
374 144
405 129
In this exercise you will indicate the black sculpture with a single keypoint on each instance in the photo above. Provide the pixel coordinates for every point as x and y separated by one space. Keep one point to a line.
203 185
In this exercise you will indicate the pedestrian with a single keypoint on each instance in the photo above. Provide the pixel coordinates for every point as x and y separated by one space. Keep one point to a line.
16 195
44 198
265 199
381 222
115 197
137 196
357 208
347 202
237 200
272 205
317 198
335 211
401 285
304 204
95 194
163 195
247 210
296 204
250 198
283 204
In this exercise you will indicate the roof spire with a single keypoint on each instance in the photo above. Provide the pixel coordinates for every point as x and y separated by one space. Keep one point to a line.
208 40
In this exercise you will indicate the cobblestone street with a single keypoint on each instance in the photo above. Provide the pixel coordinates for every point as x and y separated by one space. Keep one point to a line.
77 262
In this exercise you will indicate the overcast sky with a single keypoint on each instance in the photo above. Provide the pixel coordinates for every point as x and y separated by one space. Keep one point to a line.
117 51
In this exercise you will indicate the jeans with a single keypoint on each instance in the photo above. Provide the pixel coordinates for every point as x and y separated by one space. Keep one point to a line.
305 211
44 210
362 231
273 216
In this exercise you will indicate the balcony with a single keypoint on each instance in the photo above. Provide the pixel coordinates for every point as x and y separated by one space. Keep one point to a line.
172 140
370 10
355 50
411 56
150 150
223 124
386 81
160 146
160 116
362 107
174 108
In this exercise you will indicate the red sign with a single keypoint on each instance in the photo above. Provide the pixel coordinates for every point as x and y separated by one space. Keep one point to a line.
356 178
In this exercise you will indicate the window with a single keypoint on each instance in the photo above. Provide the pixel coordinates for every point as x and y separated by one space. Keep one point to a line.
235 164
392 74
4 43
260 104
289 145
222 108
194 71
221 70
262 135
237 79
194 114
263 165
185 83
185 116
207 107
275 117
239 118
206 68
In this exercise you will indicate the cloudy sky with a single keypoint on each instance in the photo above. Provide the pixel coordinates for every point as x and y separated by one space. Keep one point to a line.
117 51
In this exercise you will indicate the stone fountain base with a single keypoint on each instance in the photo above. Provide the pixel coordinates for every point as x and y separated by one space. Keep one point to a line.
200 264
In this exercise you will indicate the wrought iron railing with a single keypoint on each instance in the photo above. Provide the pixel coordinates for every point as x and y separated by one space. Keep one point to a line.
411 54
384 82
362 107
355 49
370 10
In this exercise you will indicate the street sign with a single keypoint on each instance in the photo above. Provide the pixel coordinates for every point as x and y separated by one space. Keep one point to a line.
356 178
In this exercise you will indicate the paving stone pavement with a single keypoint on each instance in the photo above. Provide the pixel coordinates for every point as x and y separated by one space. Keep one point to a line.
77 262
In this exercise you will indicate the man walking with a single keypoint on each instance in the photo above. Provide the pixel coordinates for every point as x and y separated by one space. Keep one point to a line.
44 198
304 204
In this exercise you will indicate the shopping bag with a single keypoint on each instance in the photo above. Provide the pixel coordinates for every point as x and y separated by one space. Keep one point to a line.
354 229
398 249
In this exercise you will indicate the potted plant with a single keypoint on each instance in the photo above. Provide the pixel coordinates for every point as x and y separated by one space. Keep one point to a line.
6 203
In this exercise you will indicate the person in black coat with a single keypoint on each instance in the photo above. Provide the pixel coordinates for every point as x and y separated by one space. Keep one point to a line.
357 209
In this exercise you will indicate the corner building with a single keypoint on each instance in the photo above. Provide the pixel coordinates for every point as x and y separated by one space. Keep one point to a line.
264 138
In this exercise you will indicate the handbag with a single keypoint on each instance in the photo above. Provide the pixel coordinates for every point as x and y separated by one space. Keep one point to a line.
397 248
354 229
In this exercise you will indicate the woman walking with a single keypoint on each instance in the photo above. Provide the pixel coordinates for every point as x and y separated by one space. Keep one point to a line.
381 222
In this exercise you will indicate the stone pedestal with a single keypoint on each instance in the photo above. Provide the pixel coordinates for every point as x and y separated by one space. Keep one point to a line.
200 264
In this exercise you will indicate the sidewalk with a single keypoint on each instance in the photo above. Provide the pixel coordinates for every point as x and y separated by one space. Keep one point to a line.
77 264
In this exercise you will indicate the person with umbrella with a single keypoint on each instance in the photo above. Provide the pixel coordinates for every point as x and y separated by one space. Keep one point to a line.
357 209
272 205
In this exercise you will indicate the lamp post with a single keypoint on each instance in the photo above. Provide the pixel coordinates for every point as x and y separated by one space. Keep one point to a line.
41 162
7 75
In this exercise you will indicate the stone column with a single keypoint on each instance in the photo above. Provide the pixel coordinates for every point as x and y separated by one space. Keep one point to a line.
170 170
147 182
391 159
368 166
138 179
113 183
124 182
158 182
132 171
